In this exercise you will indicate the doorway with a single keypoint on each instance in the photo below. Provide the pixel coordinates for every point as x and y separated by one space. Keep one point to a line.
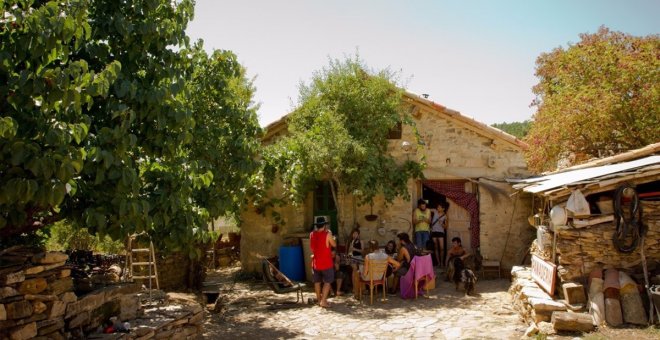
324 204
459 217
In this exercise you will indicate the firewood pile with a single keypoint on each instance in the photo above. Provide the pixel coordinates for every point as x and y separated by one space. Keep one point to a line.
583 250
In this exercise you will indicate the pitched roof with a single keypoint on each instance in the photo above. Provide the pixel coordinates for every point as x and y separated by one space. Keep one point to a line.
469 122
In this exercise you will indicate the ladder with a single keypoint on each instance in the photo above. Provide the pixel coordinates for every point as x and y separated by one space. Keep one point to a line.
134 260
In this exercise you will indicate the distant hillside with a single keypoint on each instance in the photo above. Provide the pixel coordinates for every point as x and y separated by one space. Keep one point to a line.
518 129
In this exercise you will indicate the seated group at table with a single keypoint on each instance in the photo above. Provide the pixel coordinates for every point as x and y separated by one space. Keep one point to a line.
355 261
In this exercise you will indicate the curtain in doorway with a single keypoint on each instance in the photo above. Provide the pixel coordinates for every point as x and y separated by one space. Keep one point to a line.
455 190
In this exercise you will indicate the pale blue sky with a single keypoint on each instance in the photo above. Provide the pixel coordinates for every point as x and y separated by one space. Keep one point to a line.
476 57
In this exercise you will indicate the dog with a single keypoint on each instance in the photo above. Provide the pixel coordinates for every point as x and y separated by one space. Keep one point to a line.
469 281
459 273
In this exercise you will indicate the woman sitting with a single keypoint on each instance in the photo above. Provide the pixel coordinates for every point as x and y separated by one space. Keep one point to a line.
407 252
374 253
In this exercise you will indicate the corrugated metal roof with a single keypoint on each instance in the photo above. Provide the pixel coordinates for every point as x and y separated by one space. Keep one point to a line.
544 183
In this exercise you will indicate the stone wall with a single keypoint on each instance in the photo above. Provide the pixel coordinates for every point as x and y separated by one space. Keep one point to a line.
582 250
37 301
452 150
505 232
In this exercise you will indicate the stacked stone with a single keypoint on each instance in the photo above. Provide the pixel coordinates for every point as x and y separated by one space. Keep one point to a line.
175 321
583 250
35 289
531 302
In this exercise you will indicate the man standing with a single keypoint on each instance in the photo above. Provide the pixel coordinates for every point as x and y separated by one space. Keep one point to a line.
321 243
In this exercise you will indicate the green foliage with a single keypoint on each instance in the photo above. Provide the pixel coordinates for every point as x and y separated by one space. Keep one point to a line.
112 121
516 129
339 132
595 98
64 236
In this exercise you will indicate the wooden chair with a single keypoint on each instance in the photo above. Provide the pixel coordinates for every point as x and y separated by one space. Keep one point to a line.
279 283
491 266
374 276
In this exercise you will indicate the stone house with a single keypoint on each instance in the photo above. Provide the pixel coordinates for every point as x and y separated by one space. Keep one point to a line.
467 163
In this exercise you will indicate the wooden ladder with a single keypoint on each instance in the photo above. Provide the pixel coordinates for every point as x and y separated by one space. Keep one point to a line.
150 263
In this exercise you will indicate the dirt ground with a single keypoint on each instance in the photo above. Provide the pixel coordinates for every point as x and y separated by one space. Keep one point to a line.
249 309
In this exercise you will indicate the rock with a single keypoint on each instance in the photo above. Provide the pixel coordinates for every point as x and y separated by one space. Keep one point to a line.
33 286
78 320
545 305
38 307
531 330
57 309
535 292
3 312
34 270
68 297
46 327
24 332
54 265
574 293
61 286
6 292
19 310
65 273
546 328
129 306
12 278
49 257
572 322
40 297
85 304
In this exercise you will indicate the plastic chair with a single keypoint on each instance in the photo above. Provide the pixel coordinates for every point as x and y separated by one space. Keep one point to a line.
283 285
374 276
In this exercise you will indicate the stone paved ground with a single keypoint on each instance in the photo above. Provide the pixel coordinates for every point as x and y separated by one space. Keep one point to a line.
446 314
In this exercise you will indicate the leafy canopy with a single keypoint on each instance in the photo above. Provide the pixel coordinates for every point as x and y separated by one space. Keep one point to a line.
595 98
111 120
516 129
339 132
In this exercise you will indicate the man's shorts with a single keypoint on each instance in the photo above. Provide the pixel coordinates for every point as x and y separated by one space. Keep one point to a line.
325 276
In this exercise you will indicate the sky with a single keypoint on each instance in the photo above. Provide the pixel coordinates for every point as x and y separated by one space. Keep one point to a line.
475 57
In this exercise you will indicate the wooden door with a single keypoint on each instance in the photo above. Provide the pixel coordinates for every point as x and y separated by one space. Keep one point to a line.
459 223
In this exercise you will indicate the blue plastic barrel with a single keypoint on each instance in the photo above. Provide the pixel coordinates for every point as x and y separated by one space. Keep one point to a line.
292 262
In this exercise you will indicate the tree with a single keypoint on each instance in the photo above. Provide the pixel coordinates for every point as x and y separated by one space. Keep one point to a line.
338 132
516 129
595 98
149 152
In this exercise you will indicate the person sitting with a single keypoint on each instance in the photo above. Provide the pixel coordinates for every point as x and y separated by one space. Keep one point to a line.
455 258
406 253
390 248
355 246
374 253
339 273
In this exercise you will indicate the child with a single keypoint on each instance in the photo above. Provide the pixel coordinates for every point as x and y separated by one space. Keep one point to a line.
455 258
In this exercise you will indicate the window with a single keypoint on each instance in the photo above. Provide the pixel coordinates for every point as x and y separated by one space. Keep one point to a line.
395 132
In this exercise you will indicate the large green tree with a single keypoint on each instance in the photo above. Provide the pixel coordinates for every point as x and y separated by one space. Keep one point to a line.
111 120
595 98
338 132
